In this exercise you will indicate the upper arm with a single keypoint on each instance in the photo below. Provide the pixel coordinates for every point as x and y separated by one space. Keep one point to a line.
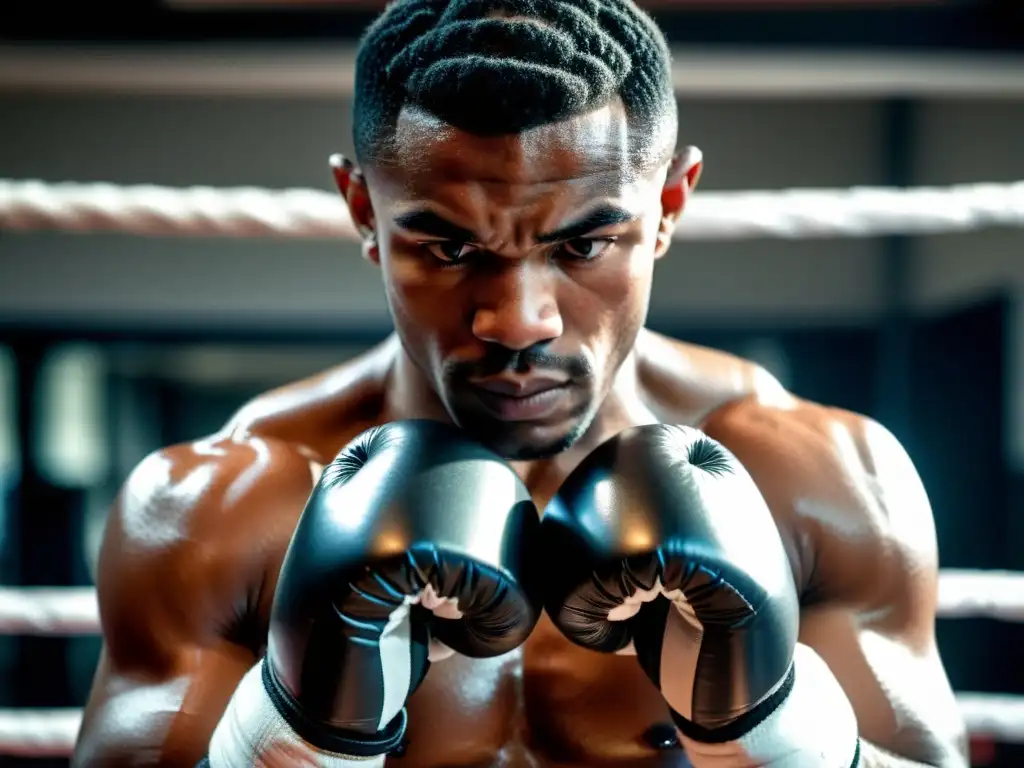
879 638
179 582
859 528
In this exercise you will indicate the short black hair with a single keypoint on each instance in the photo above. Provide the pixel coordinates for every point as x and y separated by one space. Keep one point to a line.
496 67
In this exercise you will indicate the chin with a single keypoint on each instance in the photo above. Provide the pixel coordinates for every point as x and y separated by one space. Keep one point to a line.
534 451
524 441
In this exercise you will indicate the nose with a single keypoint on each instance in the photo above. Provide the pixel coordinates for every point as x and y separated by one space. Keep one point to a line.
517 307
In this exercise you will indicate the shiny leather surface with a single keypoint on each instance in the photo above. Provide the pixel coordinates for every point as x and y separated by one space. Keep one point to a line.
405 507
663 507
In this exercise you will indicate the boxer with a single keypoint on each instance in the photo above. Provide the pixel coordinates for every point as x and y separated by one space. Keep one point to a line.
728 575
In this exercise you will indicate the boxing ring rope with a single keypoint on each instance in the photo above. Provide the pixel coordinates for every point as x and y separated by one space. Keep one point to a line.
149 210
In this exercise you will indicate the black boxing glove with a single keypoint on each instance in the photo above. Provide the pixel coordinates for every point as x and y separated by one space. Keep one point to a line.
662 545
413 534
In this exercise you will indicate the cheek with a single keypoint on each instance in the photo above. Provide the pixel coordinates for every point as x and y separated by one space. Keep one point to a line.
638 283
633 299
426 305
612 307
638 275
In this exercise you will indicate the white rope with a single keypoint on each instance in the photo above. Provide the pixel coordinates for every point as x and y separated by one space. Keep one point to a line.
53 732
991 594
48 611
39 732
995 716
309 213
151 210
73 611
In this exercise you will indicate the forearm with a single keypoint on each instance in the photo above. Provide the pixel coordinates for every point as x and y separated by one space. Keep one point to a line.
124 725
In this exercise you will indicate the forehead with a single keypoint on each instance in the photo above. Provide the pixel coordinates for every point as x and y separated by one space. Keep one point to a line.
583 157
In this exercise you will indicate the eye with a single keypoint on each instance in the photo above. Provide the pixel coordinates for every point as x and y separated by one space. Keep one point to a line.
449 253
586 249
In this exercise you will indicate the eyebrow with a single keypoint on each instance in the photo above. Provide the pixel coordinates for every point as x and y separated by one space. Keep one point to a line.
429 223
604 216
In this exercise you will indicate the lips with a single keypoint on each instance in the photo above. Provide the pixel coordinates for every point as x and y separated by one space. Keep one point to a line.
518 387
521 399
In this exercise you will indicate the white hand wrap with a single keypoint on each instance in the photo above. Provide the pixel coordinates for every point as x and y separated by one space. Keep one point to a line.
814 727
253 733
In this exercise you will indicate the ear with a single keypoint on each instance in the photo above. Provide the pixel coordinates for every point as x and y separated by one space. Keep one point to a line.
352 185
683 175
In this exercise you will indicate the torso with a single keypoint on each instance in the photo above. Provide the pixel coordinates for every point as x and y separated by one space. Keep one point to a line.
550 703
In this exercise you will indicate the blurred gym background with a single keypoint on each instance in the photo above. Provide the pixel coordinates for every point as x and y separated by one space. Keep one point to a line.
112 346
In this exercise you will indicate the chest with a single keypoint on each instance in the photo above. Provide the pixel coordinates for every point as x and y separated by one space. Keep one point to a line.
550 703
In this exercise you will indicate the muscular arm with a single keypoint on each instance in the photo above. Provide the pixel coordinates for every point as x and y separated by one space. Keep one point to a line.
183 579
861 536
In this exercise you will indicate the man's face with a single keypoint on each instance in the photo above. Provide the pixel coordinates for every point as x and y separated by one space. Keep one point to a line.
518 269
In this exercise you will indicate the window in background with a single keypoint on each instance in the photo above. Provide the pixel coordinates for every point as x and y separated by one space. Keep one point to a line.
73 447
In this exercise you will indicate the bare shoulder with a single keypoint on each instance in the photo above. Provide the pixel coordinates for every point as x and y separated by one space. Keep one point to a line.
197 533
189 564
188 541
686 382
846 493
320 414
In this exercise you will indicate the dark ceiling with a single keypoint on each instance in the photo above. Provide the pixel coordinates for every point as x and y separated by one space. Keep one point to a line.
935 25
